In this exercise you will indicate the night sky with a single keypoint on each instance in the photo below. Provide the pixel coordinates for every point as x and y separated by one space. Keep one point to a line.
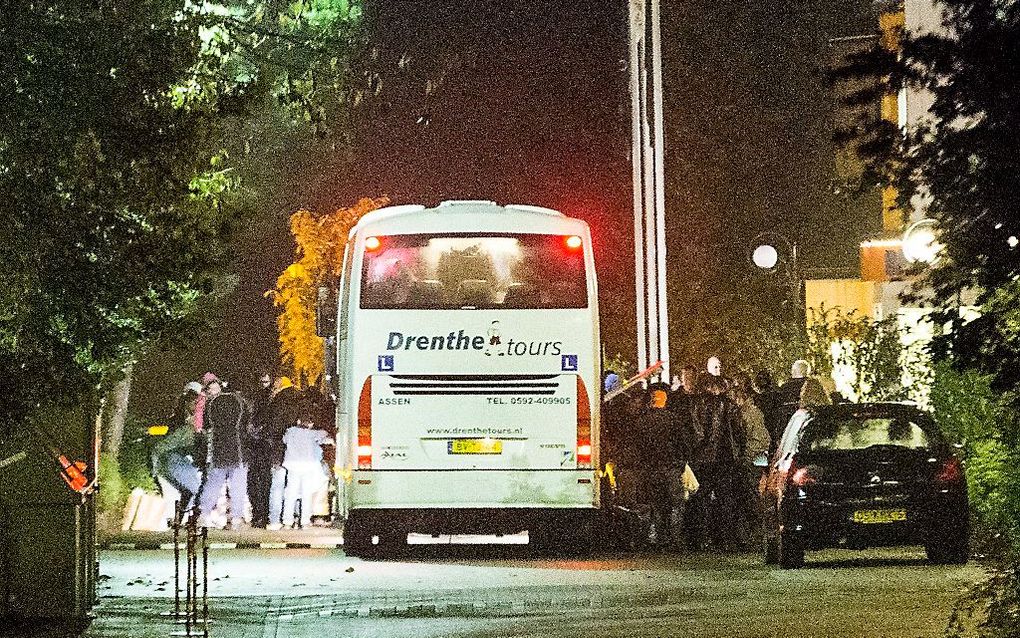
526 102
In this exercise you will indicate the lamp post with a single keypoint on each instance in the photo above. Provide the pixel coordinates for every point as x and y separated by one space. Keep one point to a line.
649 183
775 254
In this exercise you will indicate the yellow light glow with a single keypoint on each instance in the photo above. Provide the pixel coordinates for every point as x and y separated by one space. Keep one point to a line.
882 243
158 430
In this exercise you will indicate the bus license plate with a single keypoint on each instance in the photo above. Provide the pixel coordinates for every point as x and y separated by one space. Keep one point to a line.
475 446
880 516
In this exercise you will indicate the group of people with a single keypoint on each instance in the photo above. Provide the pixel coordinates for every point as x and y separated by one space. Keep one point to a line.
265 447
685 460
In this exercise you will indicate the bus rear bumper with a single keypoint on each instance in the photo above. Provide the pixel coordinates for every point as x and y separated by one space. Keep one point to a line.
481 520
474 490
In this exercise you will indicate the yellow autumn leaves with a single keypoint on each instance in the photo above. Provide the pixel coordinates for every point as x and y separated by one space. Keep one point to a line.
319 249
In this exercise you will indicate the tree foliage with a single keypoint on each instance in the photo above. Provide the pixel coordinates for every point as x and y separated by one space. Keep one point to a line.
960 164
744 336
869 359
119 193
114 191
319 250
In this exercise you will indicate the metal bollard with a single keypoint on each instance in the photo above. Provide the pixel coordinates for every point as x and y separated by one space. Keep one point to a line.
177 614
205 582
178 515
194 574
189 616
191 575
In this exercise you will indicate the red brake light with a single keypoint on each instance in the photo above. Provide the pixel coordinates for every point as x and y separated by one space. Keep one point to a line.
951 471
364 450
372 243
573 242
583 427
807 475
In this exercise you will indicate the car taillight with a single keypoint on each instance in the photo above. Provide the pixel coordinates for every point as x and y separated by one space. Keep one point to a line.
583 427
364 450
950 472
807 475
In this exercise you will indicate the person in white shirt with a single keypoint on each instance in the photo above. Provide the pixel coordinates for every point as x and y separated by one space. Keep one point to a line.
303 462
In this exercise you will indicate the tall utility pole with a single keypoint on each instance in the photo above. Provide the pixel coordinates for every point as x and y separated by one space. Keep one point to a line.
647 158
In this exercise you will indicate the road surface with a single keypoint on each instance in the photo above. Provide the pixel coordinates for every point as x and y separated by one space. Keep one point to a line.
476 592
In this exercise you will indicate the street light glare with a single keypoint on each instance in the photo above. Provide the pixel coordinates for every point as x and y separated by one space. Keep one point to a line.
920 242
765 257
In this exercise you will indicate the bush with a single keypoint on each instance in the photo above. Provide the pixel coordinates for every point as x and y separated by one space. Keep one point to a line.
983 423
120 474
974 416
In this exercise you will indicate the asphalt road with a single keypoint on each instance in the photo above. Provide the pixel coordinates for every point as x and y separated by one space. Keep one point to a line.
489 591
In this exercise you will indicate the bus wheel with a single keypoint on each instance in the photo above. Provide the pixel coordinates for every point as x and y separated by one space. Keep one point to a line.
357 538
562 536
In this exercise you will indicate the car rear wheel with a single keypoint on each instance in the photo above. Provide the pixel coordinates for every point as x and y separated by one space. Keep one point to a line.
791 550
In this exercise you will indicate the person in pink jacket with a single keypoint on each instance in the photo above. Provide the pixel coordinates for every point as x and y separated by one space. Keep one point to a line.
207 378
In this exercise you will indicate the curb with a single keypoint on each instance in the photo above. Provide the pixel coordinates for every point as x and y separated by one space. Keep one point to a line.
151 546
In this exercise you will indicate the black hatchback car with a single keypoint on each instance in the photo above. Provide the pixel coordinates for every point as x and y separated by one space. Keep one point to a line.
864 475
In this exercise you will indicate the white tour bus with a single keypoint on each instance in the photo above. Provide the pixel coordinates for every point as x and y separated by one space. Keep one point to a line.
467 358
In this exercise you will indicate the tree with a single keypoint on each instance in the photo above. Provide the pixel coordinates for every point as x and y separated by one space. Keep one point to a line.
319 250
115 195
120 195
961 165
868 358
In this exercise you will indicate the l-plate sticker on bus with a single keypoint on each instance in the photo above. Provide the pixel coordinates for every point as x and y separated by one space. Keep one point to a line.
386 363
568 362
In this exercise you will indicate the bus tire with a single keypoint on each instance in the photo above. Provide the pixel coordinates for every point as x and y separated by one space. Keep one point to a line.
568 535
357 541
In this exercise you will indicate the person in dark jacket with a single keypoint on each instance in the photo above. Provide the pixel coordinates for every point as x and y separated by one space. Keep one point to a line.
282 412
766 397
664 455
716 463
226 420
260 467
625 447
789 398
789 392
682 403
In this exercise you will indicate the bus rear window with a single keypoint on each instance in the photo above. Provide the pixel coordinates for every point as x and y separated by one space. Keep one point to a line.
473 272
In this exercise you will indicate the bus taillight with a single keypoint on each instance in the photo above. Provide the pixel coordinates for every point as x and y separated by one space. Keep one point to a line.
365 426
583 427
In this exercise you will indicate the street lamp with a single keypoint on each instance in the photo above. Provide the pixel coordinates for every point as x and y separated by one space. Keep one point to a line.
920 242
765 256
775 253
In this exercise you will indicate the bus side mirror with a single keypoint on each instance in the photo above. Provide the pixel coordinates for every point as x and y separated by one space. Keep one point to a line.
325 312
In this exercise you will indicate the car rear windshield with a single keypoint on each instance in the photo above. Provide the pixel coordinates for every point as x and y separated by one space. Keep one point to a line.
518 271
858 433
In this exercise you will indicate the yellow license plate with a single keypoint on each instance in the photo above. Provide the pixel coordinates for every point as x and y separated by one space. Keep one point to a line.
880 516
475 446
